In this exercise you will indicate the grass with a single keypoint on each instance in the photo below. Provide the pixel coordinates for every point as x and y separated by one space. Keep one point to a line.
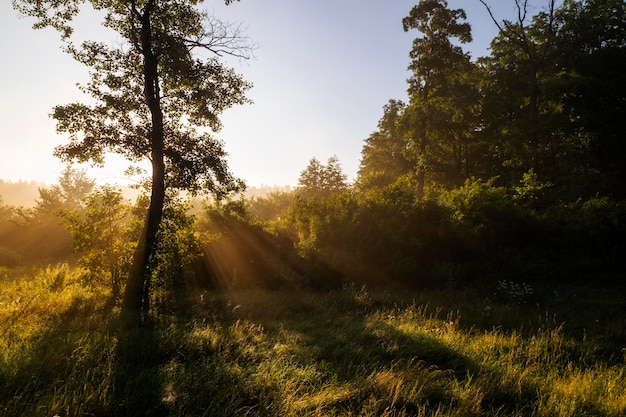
349 352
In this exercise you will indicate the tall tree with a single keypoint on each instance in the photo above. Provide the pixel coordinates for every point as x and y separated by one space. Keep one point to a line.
384 155
592 56
554 96
522 115
443 96
152 93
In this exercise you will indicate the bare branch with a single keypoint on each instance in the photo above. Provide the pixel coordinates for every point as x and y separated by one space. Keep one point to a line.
521 18
508 29
552 16
493 18
222 38
521 12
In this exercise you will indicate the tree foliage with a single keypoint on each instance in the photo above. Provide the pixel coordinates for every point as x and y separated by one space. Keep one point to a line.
155 95
503 168
475 176
443 97
507 166
385 155
104 236
547 99
73 186
592 58
319 180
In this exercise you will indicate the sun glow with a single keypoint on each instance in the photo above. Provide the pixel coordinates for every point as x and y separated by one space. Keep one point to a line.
241 257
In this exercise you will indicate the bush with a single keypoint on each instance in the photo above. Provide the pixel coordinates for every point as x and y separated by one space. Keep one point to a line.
589 236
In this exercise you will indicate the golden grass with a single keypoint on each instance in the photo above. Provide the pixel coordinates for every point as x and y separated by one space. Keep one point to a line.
264 353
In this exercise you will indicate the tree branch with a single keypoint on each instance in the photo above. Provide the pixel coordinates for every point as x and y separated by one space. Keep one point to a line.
493 18
221 39
521 12
508 29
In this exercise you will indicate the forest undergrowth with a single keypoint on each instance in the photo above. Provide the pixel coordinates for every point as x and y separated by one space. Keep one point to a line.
352 351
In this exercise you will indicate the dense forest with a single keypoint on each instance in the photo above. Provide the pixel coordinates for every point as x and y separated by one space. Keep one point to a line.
501 177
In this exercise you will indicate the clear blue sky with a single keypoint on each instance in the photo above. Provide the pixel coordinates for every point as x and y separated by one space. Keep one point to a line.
322 72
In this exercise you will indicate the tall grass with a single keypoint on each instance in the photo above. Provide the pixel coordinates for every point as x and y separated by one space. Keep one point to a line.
64 351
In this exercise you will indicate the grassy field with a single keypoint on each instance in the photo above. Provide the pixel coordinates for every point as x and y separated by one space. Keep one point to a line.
513 350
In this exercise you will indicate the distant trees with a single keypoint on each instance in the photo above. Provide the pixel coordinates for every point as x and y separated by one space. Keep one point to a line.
35 233
319 180
151 94
73 186
20 193
4 210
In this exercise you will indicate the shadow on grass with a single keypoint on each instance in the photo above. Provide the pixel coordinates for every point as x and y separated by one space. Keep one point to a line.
137 386
210 356
353 349
64 366
84 361
346 340
169 367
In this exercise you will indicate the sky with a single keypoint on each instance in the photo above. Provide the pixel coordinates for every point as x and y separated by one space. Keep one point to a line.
322 72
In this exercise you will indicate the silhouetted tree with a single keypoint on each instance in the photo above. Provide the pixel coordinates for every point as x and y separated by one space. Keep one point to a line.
151 93
521 120
592 60
554 98
440 116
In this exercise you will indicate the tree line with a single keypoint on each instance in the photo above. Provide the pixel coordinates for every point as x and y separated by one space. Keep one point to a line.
508 166
548 100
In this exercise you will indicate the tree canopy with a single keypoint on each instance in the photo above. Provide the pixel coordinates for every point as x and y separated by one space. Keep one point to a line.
549 98
442 96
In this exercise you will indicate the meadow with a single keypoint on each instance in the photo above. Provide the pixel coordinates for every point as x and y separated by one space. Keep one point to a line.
511 350
473 267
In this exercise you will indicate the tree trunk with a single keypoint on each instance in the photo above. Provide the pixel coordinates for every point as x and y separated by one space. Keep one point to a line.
421 175
534 118
137 294
421 165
